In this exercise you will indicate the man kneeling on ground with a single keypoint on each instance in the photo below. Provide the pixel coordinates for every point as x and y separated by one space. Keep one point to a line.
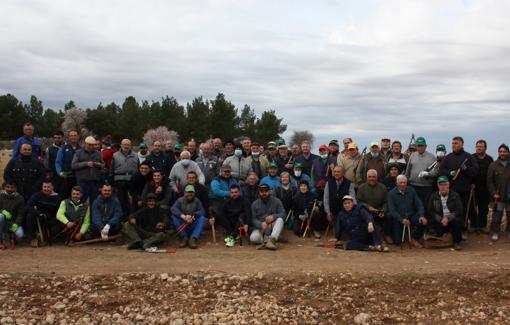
75 215
42 211
234 215
146 226
358 223
446 212
267 219
189 218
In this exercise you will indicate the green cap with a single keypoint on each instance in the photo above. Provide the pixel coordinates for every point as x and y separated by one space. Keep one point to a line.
273 165
442 179
441 147
298 165
189 188
142 145
420 141
271 145
280 142
374 144
178 146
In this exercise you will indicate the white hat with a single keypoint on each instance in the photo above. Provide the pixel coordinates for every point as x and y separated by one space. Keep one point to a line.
90 140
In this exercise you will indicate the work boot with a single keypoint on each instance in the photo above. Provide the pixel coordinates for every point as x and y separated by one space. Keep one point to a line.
134 245
12 243
457 247
416 244
317 234
271 244
495 237
34 243
4 245
193 243
184 242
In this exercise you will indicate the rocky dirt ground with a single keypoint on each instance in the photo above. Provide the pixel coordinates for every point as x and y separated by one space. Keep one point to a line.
298 284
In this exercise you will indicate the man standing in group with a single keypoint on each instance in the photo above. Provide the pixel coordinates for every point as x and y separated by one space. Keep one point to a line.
158 160
420 171
259 163
63 164
87 165
336 188
306 158
482 197
143 152
372 160
349 162
26 171
498 178
345 152
208 163
179 173
239 165
50 158
27 138
124 165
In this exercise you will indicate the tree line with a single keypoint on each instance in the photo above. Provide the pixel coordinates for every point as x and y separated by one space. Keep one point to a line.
199 119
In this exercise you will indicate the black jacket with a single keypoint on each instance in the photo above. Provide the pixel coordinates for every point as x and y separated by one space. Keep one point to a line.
28 174
454 203
237 209
147 218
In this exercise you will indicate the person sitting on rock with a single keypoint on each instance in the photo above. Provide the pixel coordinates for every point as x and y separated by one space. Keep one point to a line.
146 227
359 225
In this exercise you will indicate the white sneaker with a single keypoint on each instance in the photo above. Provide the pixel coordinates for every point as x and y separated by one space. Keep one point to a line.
495 237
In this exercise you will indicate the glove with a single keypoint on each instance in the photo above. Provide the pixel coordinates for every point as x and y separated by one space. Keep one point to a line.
6 214
302 217
452 173
423 174
14 227
104 232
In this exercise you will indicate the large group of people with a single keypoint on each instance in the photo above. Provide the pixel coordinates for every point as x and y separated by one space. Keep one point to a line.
73 191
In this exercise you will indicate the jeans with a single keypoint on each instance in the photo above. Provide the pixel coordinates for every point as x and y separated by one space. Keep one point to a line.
192 230
360 238
497 215
274 230
397 227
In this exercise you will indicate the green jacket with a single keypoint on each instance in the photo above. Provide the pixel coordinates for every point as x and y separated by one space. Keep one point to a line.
81 213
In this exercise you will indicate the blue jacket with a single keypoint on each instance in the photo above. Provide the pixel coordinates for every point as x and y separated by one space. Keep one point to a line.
355 220
220 187
272 181
304 177
105 212
64 158
35 143
406 204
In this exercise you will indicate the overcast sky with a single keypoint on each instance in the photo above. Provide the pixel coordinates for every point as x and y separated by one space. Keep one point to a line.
337 68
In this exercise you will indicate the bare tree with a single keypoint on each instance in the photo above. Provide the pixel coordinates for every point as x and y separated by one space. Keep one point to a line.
299 136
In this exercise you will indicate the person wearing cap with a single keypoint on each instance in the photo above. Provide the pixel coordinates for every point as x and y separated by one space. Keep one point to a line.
306 157
124 165
240 166
146 227
12 213
74 212
229 149
322 169
395 156
28 172
158 160
285 191
87 165
250 188
410 149
345 152
406 208
349 160
334 149
302 205
271 151
220 186
235 213
359 226
372 160
460 167
158 186
189 210
385 148
298 176
178 148
201 191
478 217
272 179
267 219
179 172
446 213
143 152
336 188
107 150
258 162
63 163
420 171
105 215
373 195
284 159
440 154
498 183
208 163
137 183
